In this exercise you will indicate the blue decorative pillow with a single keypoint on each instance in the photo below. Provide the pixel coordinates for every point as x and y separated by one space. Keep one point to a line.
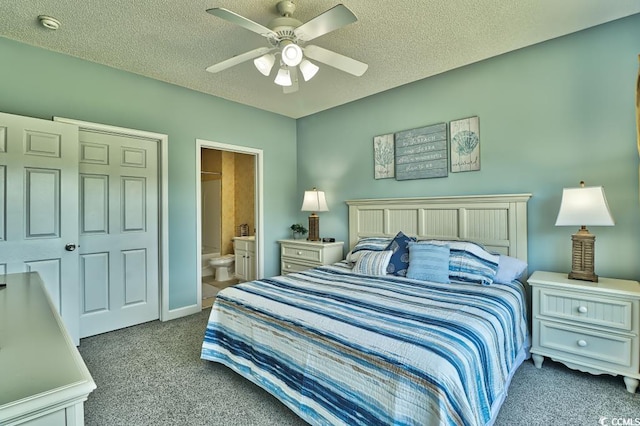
470 262
373 262
400 258
428 262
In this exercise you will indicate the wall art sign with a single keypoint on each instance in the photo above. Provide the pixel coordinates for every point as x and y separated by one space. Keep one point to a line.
422 153
465 145
383 157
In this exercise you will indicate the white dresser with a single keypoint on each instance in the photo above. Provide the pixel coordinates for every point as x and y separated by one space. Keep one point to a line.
299 255
43 379
591 327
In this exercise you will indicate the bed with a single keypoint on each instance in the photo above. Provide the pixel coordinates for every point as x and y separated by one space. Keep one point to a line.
342 345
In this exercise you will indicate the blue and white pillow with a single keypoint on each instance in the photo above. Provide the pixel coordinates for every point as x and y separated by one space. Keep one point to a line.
428 262
470 262
369 244
372 243
373 262
400 258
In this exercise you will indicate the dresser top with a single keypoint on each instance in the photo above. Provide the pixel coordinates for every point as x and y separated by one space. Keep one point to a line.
311 243
608 285
37 356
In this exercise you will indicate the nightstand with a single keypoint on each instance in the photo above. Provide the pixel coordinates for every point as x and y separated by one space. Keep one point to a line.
591 327
299 255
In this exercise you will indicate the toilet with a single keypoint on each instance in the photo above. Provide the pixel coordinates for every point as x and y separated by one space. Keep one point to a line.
223 267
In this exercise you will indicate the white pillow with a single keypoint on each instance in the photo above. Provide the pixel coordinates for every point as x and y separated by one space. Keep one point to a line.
373 262
509 269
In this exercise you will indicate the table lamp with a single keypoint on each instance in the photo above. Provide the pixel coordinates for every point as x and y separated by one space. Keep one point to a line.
583 206
314 201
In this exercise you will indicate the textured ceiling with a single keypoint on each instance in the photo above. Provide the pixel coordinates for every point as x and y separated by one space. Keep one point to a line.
404 41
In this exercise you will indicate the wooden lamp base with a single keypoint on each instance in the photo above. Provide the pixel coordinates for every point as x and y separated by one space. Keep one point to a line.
582 256
314 227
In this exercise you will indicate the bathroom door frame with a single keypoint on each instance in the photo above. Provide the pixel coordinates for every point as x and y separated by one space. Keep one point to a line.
259 204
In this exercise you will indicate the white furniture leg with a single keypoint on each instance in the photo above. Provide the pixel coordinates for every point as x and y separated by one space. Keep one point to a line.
631 383
537 360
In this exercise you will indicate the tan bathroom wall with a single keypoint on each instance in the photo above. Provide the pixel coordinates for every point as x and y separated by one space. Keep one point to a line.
228 202
245 191
237 172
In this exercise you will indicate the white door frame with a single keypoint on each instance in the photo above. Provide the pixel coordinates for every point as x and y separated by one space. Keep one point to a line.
259 205
163 167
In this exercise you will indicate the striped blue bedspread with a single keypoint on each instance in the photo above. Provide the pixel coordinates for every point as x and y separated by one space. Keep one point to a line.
345 349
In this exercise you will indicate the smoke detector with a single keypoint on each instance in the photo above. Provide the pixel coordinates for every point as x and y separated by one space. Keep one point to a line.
49 22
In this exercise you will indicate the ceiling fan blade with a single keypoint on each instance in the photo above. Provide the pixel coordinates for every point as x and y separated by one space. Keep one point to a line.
334 18
293 72
336 60
239 59
240 20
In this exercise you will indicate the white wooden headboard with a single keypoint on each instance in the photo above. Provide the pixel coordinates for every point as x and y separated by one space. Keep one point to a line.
499 222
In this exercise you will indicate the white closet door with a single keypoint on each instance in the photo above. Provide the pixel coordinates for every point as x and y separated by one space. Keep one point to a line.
39 207
119 231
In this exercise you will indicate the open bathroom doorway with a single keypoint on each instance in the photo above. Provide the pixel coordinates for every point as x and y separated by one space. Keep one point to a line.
229 216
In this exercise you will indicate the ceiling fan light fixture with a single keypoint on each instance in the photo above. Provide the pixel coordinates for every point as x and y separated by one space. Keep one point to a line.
264 63
286 37
308 69
283 78
292 54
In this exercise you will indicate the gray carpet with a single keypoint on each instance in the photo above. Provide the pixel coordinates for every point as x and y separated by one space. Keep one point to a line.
152 374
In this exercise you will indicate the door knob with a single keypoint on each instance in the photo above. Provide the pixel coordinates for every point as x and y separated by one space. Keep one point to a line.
70 247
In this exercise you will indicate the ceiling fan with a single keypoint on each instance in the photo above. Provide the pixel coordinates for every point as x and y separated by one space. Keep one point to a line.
287 38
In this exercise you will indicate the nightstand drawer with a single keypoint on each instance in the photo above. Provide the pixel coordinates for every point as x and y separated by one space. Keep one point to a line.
303 253
287 267
587 309
573 342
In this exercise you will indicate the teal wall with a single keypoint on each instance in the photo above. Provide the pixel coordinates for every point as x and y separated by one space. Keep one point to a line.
43 84
550 115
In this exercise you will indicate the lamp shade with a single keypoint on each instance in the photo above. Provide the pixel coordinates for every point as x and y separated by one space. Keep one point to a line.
314 201
283 78
264 63
584 206
308 69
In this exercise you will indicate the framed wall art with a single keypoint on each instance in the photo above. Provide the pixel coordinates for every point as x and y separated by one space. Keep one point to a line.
422 153
465 144
383 156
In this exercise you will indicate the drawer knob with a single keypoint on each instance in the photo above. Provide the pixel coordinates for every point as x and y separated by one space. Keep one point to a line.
582 343
582 309
299 253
